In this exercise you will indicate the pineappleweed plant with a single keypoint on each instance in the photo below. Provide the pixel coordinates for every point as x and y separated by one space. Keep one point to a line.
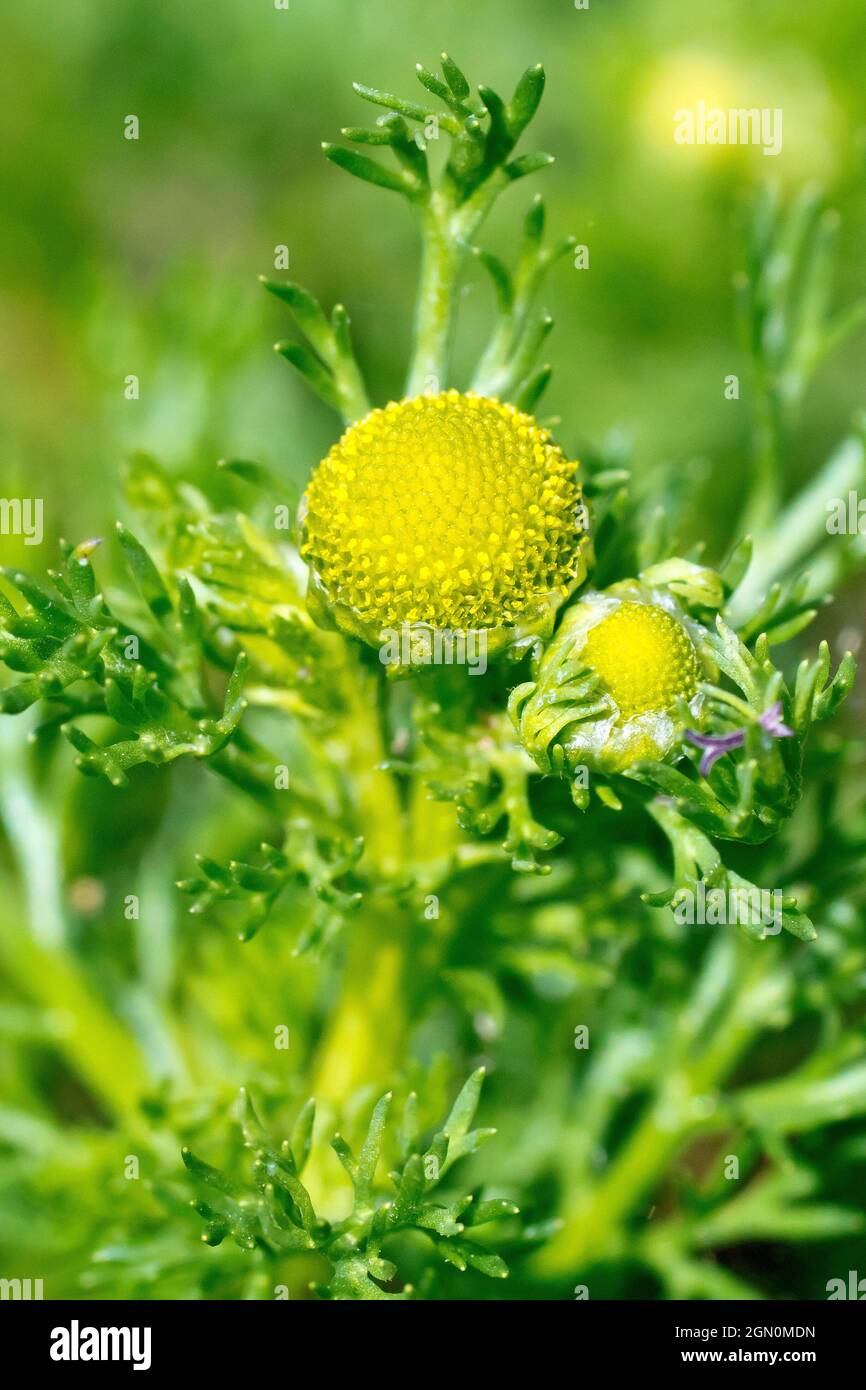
465 862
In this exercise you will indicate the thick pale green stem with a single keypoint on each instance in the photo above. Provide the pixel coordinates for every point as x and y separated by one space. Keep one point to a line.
359 1044
364 1038
434 312
446 231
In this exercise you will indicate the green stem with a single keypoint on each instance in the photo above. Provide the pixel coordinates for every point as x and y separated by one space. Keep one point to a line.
595 1221
94 1043
783 547
441 256
33 835
365 1039
363 1035
379 812
446 229
765 493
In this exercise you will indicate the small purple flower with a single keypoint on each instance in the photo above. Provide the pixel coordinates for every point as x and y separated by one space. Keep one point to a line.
715 746
771 720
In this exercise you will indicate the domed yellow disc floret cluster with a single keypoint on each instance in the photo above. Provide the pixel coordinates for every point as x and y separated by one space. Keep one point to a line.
452 510
644 657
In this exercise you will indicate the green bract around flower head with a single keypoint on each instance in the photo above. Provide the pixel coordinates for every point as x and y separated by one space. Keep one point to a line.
608 690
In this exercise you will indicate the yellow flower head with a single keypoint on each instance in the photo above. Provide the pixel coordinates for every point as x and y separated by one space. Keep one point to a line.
452 510
607 688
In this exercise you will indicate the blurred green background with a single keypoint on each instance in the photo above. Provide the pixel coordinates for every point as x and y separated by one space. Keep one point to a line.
140 257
